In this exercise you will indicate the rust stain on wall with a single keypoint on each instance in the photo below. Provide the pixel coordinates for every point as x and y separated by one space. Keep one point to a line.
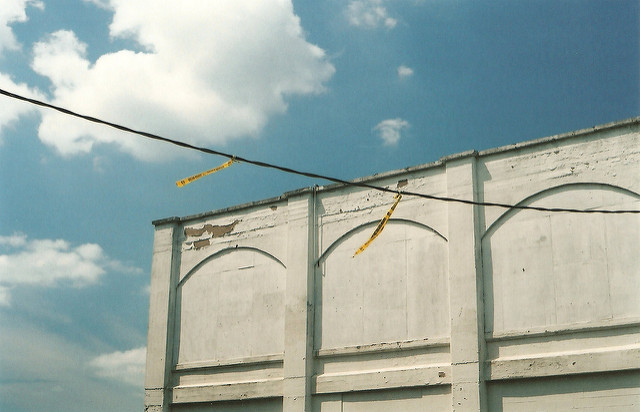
213 230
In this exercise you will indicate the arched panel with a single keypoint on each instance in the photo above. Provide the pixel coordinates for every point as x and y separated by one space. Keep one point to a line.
395 290
231 306
544 269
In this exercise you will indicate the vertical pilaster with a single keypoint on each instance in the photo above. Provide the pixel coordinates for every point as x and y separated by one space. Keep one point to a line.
298 345
465 286
159 357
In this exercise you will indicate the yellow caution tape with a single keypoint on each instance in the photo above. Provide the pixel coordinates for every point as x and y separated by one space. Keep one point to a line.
193 178
380 226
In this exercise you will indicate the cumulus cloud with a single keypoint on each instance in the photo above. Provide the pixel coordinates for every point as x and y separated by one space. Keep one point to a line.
12 109
49 263
369 14
390 130
13 11
127 366
210 71
404 71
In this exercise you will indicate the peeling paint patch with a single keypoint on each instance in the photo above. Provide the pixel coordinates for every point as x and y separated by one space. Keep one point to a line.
201 243
196 244
206 233
213 230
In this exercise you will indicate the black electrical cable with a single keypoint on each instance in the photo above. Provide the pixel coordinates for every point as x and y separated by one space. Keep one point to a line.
301 173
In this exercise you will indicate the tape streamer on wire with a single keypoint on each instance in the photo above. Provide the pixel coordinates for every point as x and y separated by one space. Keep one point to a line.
380 226
193 178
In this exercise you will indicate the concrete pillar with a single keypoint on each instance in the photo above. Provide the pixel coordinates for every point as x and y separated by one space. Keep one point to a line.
465 286
161 308
298 320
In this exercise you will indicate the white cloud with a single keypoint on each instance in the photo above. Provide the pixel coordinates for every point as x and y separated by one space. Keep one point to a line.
45 262
127 367
211 71
404 71
44 370
62 58
15 240
390 130
117 266
369 14
5 296
99 164
104 4
12 109
13 11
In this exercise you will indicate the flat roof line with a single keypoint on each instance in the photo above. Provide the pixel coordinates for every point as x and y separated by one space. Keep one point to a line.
385 175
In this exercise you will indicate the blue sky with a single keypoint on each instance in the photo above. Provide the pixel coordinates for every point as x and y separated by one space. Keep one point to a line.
345 88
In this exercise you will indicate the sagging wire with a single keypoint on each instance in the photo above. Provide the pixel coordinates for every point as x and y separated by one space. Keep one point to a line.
303 173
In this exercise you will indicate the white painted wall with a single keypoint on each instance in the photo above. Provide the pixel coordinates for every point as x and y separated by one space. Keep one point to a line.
452 307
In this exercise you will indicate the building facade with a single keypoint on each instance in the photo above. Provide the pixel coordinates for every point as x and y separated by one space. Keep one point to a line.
264 307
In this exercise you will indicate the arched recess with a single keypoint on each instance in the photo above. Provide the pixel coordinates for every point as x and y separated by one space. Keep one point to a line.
395 290
544 269
231 305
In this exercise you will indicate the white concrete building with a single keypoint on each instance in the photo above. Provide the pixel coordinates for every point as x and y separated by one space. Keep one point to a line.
263 307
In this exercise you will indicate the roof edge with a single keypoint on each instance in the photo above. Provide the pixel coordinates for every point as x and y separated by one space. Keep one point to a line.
389 174
561 136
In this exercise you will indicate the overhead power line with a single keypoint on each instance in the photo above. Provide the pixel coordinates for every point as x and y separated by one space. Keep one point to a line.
303 173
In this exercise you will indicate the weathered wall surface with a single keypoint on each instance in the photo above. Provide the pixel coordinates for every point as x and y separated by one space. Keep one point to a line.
453 307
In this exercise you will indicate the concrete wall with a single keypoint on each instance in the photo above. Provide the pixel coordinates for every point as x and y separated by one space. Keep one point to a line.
453 307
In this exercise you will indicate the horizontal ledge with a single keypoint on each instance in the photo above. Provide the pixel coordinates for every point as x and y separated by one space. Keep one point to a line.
266 388
564 329
565 363
431 375
248 361
383 347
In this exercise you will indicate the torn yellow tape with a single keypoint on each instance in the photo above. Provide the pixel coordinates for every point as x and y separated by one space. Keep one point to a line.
380 226
193 178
